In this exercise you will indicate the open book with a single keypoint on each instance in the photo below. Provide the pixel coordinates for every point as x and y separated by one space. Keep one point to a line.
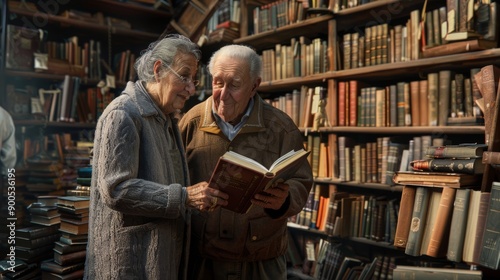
242 177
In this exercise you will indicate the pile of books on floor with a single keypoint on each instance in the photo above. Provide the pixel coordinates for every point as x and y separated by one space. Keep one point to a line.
70 250
83 182
44 212
44 176
35 242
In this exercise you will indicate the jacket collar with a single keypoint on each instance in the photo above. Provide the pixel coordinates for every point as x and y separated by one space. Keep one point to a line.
141 97
254 123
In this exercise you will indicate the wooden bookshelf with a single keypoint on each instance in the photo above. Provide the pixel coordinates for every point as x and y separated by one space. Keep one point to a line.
95 28
331 27
54 140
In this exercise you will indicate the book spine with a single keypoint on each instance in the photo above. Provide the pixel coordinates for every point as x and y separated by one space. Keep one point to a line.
489 78
484 203
423 97
419 214
441 225
452 152
444 93
458 225
404 216
490 251
468 166
432 101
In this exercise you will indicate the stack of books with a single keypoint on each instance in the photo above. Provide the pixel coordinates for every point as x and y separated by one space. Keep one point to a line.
44 176
446 166
70 249
225 31
83 182
44 212
20 270
35 243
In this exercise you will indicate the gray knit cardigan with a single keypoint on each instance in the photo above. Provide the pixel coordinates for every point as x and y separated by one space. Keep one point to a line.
138 225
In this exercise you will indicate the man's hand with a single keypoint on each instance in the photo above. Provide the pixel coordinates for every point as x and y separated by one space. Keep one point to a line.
273 197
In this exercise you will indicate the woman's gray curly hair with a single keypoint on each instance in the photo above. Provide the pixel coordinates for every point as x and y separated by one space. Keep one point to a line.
163 50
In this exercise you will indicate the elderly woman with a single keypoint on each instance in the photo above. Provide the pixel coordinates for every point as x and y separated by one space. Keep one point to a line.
140 203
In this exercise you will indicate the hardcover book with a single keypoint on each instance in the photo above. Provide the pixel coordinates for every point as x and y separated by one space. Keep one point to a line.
418 221
458 225
76 202
242 177
51 266
404 217
456 151
490 249
468 166
440 231
470 228
33 232
436 179
70 258
404 272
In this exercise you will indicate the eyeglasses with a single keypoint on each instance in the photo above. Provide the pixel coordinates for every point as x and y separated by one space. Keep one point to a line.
184 80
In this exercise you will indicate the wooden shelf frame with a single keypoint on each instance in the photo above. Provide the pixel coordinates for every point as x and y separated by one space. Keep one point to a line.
89 26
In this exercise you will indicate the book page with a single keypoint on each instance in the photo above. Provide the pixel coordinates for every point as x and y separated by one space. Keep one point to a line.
246 161
286 159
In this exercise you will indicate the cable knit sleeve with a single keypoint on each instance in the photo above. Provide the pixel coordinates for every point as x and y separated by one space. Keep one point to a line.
120 155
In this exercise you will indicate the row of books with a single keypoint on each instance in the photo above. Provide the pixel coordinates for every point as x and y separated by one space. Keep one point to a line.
321 258
303 57
333 260
457 224
451 220
444 98
301 105
278 14
382 43
227 15
348 215
459 21
338 5
345 159
428 102
67 103
70 56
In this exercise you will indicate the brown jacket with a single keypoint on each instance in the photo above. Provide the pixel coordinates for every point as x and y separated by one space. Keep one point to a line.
267 134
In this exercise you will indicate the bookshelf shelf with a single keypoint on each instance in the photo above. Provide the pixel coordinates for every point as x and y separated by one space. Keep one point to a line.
311 27
89 26
457 130
55 125
386 72
360 185
52 77
125 8
423 65
359 240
